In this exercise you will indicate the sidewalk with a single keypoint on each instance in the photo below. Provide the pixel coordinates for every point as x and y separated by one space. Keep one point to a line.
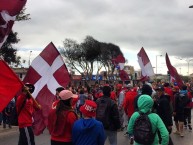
7 130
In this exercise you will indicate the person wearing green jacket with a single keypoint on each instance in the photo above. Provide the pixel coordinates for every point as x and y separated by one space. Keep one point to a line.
145 103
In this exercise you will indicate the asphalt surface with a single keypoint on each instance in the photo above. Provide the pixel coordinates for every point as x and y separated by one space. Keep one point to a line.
10 137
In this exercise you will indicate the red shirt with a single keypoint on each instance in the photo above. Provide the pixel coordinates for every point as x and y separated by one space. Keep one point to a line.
128 103
113 96
25 115
62 125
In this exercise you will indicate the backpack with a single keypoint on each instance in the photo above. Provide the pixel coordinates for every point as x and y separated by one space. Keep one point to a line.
103 111
143 130
183 100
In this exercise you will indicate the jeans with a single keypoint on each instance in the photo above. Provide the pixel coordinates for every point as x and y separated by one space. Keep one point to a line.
121 113
112 137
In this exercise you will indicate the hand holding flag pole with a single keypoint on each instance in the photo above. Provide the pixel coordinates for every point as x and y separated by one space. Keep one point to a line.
26 89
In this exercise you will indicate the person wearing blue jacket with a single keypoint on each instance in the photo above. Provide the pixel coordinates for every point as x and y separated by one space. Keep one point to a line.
87 130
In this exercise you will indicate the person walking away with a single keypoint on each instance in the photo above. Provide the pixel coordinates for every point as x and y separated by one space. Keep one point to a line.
181 100
120 106
145 90
145 104
187 110
129 107
25 106
107 113
7 114
163 108
175 90
82 98
61 119
1 118
87 130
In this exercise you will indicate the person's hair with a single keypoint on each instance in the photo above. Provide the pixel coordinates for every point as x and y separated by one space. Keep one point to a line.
146 89
184 87
81 91
63 105
166 84
107 91
59 89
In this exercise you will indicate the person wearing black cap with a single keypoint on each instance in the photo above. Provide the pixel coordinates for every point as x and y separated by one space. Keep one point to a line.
25 106
162 105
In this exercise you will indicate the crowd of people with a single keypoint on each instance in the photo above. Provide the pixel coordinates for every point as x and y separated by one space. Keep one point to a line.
91 115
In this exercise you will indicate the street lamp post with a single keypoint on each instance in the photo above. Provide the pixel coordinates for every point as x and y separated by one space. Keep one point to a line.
188 61
180 70
189 65
156 67
29 57
156 63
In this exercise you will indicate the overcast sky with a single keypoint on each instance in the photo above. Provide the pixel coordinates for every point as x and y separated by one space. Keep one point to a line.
159 26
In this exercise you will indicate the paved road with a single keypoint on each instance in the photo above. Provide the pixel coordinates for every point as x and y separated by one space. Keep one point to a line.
10 137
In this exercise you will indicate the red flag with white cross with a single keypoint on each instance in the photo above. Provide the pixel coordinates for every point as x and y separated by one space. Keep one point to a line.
47 72
9 9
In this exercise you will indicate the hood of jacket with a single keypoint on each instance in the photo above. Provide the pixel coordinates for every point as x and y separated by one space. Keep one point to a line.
87 124
145 103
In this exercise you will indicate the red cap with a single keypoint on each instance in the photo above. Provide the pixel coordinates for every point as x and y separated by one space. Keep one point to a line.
89 108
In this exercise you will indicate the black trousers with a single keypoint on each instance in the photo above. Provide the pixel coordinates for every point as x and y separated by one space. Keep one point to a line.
187 116
26 136
60 143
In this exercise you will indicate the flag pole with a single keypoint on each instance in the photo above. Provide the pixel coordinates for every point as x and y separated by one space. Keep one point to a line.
27 91
37 104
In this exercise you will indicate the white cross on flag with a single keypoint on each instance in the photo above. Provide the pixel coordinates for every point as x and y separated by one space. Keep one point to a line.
145 64
9 9
47 72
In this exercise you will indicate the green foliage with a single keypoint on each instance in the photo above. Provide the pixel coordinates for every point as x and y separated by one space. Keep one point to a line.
83 56
22 16
7 51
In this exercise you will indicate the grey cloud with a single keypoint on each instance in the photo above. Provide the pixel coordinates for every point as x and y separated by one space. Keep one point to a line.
165 26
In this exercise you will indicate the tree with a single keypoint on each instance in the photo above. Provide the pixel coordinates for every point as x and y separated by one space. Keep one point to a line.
7 51
109 51
91 50
82 57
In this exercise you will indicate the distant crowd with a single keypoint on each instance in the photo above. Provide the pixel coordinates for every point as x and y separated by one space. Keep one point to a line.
81 115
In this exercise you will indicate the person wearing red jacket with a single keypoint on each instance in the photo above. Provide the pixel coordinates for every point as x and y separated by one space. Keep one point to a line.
25 106
61 119
129 106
